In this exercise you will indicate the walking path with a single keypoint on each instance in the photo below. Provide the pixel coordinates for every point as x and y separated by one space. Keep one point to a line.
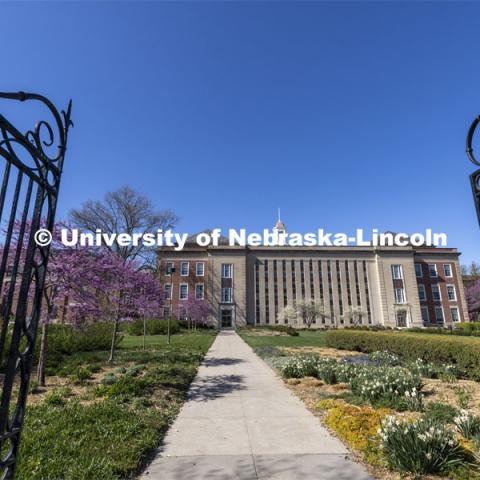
241 422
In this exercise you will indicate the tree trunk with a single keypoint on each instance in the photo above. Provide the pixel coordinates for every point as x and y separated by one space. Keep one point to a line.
42 360
65 308
144 331
114 338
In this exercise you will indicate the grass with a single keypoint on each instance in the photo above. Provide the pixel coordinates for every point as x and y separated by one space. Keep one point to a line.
194 339
307 338
106 427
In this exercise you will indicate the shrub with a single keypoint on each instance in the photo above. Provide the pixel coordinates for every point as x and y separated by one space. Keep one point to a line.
327 404
81 375
155 326
421 447
57 396
440 412
134 370
463 352
109 379
357 426
65 339
468 425
33 387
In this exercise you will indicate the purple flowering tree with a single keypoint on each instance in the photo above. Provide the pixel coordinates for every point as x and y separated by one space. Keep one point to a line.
119 290
195 310
472 295
92 284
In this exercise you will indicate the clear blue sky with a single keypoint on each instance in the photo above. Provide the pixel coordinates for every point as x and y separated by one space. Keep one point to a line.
346 115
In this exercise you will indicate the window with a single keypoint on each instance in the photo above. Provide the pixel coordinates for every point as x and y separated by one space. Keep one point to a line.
436 293
397 272
439 314
227 270
302 278
168 290
227 295
199 291
432 270
294 281
166 312
418 270
169 267
425 316
422 296
367 290
184 269
200 269
399 295
257 291
455 314
447 269
451 293
267 301
402 318
339 289
183 291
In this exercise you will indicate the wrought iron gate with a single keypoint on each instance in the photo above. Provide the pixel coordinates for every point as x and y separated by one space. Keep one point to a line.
32 163
475 176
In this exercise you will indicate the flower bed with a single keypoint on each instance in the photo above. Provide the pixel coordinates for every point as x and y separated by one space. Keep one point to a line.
420 447
463 352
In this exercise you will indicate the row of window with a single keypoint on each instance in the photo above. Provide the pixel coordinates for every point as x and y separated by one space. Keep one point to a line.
436 293
183 291
397 271
307 275
439 315
432 270
185 268
227 269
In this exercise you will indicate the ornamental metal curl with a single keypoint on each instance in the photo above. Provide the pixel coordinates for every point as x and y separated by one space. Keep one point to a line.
475 176
32 199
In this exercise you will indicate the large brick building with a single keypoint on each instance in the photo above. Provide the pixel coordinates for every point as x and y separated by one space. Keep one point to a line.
389 286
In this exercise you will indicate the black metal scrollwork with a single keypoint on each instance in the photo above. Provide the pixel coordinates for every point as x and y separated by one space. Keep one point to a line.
475 176
33 163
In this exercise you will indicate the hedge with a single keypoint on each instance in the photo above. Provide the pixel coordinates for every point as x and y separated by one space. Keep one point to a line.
155 326
464 352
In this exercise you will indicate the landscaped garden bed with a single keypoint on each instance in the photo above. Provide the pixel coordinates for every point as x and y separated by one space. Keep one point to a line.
96 419
402 415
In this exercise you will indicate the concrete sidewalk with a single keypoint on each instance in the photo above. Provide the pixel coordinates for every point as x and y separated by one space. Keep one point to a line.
241 422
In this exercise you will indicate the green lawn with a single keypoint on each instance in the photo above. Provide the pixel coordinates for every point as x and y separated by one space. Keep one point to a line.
195 340
106 418
306 338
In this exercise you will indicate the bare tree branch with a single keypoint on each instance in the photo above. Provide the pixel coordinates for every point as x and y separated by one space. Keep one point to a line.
124 211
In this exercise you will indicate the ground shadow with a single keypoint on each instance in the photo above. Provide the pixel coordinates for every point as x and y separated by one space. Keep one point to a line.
220 361
209 388
247 467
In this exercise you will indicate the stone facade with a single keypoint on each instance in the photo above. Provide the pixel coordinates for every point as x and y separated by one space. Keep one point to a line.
389 286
